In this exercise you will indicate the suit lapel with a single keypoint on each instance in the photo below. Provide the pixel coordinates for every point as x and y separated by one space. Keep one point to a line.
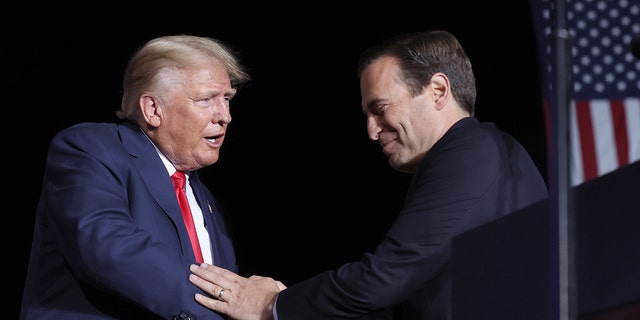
150 166
221 243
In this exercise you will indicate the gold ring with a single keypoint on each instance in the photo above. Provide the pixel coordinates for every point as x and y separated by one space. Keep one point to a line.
220 294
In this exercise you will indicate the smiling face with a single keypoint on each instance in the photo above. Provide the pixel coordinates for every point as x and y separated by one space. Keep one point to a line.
406 126
187 114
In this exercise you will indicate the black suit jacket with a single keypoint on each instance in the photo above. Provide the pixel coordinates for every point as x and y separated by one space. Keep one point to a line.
474 174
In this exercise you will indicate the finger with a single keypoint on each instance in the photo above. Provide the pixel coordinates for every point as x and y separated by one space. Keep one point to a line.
281 285
213 304
221 295
206 286
211 275
225 273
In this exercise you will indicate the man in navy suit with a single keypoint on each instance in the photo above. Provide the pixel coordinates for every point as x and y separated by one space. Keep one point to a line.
110 241
418 96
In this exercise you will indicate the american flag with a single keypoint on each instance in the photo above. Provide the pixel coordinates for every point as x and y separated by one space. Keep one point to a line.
604 102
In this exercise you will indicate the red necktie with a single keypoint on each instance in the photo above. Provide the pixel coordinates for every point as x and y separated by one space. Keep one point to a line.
179 180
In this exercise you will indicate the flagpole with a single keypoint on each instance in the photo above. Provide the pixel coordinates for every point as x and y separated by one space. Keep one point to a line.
561 198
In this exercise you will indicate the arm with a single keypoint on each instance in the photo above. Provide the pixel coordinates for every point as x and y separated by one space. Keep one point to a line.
236 296
410 257
460 185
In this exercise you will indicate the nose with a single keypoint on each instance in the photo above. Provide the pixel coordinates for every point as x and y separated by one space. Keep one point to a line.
373 129
221 114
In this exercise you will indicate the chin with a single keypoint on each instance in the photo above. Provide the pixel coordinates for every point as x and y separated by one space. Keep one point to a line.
394 163
400 164
211 158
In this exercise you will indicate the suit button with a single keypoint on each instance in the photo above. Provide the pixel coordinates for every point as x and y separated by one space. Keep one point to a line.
181 316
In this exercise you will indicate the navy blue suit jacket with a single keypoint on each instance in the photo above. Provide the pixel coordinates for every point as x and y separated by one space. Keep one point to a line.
109 240
472 175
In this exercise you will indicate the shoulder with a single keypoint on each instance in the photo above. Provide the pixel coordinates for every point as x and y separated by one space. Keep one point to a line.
86 130
468 135
468 147
94 136
97 131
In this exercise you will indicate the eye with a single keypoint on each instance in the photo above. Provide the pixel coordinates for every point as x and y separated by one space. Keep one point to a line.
205 102
379 110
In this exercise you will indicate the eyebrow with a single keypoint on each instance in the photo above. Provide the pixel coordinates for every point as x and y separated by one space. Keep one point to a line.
372 104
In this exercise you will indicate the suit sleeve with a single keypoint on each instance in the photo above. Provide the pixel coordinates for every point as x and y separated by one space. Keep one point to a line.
453 181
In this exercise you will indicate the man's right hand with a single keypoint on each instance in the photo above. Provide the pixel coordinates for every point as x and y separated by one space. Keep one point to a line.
238 297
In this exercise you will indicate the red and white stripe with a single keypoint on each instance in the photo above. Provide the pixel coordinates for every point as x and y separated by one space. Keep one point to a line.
604 135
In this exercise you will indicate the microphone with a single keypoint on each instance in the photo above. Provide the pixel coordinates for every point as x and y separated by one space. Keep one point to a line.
635 46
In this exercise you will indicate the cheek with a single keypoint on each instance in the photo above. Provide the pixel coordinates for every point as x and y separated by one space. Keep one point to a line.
397 122
199 120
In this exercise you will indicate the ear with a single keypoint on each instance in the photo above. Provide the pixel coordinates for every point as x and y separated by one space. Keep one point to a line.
441 89
150 110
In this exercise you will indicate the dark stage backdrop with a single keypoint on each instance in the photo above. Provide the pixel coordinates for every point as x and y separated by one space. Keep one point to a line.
304 188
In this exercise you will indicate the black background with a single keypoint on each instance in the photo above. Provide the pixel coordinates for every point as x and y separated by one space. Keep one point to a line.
304 188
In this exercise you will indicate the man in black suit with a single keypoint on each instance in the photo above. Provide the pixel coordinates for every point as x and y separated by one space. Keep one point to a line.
418 96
